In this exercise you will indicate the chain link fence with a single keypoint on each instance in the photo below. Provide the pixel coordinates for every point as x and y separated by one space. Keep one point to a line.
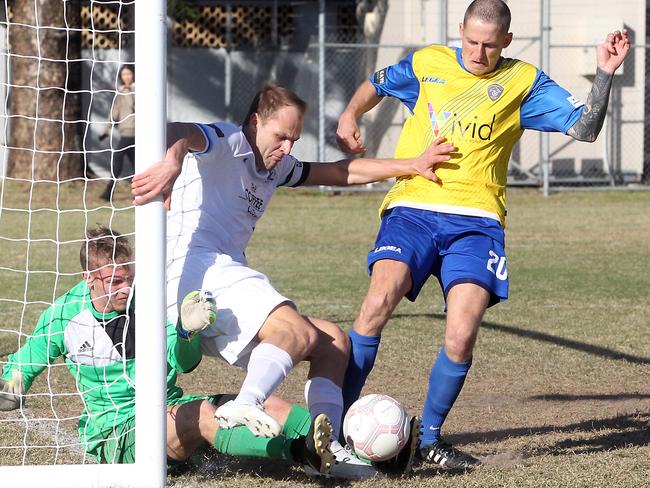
323 49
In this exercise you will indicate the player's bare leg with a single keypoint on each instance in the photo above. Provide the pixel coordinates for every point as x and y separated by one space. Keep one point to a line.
389 282
188 426
466 304
285 339
191 424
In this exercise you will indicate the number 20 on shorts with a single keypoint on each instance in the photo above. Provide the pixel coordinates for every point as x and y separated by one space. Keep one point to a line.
500 262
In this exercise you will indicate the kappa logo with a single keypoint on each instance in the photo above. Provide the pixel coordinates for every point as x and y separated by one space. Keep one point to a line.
438 121
494 91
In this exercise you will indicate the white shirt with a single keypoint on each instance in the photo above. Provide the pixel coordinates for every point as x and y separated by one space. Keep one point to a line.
220 194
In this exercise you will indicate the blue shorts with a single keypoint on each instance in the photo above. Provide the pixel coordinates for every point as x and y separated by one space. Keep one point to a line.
454 248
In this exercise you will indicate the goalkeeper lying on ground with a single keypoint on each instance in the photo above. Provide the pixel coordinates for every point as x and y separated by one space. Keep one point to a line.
93 327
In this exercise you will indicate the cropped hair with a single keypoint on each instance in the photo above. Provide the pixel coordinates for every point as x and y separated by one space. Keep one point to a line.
104 246
490 12
272 98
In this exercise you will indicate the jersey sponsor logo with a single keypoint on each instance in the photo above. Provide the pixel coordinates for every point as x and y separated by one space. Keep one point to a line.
494 91
438 121
433 79
253 200
380 76
85 347
396 249
574 101
472 129
255 203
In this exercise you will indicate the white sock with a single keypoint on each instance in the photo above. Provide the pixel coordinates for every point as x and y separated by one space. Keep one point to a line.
324 396
268 366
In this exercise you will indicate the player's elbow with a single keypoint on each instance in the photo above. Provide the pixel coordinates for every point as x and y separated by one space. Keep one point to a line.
579 133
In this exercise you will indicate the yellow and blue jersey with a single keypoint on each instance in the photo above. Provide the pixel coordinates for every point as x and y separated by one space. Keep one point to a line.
483 116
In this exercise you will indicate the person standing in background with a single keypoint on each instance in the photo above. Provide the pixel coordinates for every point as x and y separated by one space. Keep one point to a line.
122 115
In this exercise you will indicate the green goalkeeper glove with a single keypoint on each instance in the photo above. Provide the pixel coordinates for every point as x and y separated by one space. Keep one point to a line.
198 310
11 391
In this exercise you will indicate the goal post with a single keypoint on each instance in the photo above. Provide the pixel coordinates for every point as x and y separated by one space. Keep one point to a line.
46 204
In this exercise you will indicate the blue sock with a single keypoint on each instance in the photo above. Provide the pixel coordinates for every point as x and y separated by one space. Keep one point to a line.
445 382
363 351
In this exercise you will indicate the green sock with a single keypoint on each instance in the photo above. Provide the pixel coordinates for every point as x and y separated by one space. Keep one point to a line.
298 423
240 441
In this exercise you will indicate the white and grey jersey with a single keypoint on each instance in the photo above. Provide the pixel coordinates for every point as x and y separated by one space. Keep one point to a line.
220 194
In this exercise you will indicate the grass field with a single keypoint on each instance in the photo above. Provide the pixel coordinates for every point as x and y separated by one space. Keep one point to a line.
559 393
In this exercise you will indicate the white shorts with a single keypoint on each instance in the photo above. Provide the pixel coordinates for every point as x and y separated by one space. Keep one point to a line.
244 297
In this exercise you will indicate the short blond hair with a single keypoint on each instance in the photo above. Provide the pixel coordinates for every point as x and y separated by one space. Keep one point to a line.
490 12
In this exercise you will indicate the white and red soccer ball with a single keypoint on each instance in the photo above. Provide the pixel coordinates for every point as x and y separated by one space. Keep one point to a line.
376 427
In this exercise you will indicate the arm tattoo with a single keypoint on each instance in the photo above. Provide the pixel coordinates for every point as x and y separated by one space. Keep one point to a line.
591 121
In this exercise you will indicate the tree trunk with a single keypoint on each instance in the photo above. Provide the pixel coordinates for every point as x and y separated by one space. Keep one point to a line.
45 69
371 15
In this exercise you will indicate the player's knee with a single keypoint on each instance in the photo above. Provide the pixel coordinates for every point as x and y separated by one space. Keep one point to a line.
459 346
304 339
340 339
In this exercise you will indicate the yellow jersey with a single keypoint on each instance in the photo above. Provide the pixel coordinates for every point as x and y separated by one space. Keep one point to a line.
481 115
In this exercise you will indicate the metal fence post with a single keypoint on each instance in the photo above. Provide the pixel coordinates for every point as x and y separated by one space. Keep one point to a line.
545 55
321 80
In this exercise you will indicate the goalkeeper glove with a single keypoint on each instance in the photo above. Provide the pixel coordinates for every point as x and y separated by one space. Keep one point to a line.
198 310
11 391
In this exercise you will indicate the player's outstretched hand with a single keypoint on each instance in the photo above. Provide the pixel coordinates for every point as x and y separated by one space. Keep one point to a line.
10 391
157 180
348 134
438 152
613 50
198 310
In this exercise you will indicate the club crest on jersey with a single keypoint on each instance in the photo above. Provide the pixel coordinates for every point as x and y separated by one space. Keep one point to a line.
494 91
438 121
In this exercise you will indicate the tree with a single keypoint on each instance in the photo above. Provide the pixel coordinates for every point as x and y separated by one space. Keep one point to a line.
45 52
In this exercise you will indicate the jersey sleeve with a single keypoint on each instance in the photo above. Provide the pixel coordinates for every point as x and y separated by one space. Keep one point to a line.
292 172
215 139
548 107
182 356
44 346
398 81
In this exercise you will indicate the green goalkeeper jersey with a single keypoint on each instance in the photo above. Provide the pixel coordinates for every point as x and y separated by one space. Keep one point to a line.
99 352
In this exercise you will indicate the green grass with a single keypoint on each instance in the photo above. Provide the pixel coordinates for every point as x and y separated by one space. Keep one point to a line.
558 394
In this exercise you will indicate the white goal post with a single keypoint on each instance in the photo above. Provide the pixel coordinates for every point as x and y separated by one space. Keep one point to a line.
46 221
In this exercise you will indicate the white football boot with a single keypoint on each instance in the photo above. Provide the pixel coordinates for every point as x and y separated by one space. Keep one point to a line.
261 424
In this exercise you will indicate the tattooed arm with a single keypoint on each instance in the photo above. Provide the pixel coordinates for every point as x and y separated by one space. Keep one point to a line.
591 121
610 55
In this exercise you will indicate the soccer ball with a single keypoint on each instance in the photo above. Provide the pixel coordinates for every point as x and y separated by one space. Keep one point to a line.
376 427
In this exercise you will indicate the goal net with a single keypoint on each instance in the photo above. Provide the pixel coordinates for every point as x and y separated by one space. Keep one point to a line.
67 151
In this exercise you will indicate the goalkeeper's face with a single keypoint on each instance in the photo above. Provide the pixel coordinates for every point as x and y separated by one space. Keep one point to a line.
110 287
